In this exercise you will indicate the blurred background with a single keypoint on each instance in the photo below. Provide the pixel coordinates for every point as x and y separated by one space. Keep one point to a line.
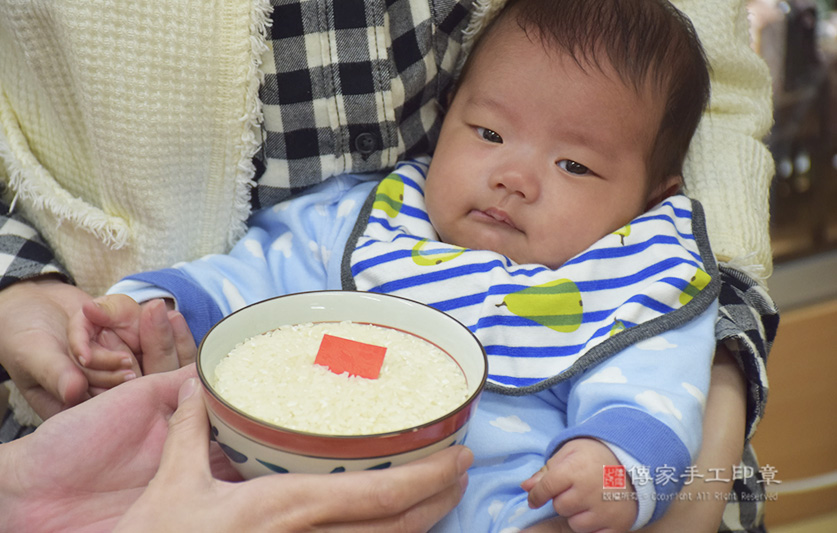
798 435
798 40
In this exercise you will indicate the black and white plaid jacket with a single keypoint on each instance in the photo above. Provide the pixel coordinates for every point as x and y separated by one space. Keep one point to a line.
355 87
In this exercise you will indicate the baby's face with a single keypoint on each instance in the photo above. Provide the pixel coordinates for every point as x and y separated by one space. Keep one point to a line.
538 159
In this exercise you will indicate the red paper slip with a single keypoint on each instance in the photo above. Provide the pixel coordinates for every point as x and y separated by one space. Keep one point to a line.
345 355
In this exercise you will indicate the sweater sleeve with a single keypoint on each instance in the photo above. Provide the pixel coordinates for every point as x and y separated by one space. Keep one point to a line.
729 169
648 402
294 246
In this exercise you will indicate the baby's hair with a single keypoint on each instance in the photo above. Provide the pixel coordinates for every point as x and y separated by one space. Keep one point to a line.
643 41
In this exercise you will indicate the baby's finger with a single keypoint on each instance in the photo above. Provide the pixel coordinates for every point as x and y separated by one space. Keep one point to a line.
183 340
548 485
106 379
80 335
159 351
571 503
101 358
110 340
532 481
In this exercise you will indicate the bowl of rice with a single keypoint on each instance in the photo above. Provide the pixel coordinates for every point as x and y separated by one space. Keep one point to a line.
333 381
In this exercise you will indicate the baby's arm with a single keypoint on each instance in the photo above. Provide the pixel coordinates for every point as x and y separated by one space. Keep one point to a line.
646 403
572 480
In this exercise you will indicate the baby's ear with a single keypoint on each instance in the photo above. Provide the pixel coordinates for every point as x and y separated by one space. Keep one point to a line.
668 187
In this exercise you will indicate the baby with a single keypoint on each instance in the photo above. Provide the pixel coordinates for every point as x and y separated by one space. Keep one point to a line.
549 221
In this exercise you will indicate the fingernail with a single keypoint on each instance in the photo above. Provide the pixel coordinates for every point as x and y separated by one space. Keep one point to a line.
187 389
128 376
159 316
538 475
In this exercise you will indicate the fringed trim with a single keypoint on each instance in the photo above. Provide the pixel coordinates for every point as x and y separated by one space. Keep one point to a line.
251 139
32 182
482 13
749 265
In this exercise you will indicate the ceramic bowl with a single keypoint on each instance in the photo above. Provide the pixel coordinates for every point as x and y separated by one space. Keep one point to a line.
256 447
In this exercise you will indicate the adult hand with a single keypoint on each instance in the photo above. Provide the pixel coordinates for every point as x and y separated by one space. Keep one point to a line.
33 346
84 467
408 498
165 338
87 467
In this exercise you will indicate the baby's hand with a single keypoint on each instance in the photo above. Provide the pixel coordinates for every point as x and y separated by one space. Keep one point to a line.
572 479
104 340
116 339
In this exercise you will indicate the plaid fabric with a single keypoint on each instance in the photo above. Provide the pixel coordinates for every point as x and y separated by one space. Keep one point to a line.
744 512
10 429
354 87
23 254
747 324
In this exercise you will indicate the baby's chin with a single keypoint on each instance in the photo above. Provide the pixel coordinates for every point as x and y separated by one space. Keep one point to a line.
535 257
498 243
520 257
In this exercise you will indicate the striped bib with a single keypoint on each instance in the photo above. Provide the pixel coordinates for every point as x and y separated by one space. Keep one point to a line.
538 325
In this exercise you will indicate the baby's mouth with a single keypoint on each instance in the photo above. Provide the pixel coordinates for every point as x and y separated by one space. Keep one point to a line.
500 216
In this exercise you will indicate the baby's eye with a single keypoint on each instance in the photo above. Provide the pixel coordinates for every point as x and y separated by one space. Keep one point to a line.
573 168
489 135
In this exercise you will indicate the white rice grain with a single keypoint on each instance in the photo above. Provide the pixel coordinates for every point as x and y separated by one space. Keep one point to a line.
273 377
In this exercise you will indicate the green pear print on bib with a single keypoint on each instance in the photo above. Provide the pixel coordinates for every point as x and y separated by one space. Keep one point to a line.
618 326
390 195
623 232
697 283
556 305
434 256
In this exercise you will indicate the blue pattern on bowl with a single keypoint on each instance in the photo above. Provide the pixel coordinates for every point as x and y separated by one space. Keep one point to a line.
275 468
234 455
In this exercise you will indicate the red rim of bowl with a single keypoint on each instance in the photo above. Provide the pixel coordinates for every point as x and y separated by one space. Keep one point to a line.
344 446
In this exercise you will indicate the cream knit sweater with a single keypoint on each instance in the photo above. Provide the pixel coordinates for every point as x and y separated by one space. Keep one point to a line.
127 141
127 129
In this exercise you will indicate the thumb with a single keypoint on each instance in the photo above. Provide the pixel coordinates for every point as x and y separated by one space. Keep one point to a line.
117 312
186 450
159 347
111 311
